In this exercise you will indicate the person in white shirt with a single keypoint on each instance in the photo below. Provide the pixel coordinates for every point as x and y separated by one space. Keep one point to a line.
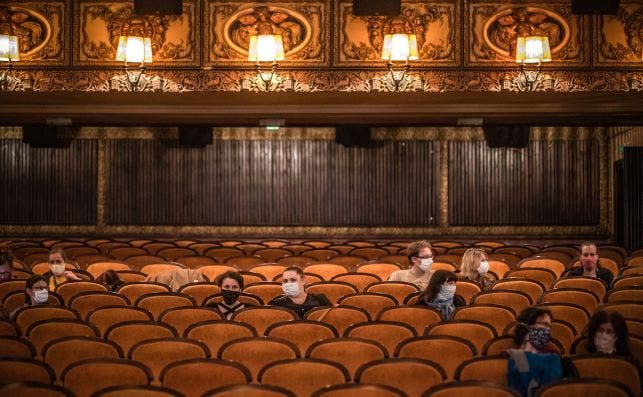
420 257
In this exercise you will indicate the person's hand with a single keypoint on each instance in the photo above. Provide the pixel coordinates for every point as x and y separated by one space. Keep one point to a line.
69 275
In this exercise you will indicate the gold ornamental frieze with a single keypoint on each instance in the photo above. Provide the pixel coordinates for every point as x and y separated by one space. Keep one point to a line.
620 36
174 38
303 26
360 38
41 30
494 27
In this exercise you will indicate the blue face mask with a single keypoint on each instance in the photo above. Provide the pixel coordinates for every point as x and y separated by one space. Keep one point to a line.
539 337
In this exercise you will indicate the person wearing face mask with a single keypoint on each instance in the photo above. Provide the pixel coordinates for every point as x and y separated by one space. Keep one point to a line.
57 273
589 265
231 284
295 296
420 258
440 294
607 333
534 362
474 267
6 265
36 292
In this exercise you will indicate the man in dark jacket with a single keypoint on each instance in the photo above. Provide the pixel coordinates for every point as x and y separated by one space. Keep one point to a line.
589 265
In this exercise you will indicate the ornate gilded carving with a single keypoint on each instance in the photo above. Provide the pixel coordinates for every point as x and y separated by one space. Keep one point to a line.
494 26
620 36
360 38
304 27
41 28
99 24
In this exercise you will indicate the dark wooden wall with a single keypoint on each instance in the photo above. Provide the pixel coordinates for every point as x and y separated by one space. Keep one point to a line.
54 186
273 182
547 183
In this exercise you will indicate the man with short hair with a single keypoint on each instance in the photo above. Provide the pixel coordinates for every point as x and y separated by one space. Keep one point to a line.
589 264
6 266
420 257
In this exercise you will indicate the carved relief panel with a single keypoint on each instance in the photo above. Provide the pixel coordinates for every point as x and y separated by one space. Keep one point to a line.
493 26
303 25
620 37
358 39
175 41
41 28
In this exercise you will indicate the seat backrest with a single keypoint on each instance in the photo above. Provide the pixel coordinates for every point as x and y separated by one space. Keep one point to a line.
62 352
303 376
262 317
411 375
88 376
352 353
137 391
199 291
583 387
340 317
471 388
156 354
127 334
355 389
265 290
476 332
42 332
595 285
214 271
98 268
581 297
249 390
467 289
194 377
215 333
499 267
418 317
488 369
105 317
302 333
33 389
334 290
326 270
625 294
182 317
358 280
85 302
498 345
272 254
532 288
397 289
15 369
496 316
134 290
255 353
573 314
16 347
382 270
244 262
388 333
269 270
515 300
609 367
370 253
628 310
28 315
320 254
545 276
371 302
448 351
554 265
157 303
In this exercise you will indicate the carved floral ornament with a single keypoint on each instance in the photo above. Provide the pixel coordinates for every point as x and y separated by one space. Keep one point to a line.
31 28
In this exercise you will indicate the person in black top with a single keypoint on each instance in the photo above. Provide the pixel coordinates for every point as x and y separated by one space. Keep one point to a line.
589 265
231 284
295 296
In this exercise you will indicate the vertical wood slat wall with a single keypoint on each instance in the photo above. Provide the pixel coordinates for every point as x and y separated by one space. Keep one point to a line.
273 182
547 183
48 185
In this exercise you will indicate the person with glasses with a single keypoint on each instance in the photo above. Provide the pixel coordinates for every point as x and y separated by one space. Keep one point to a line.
534 361
420 257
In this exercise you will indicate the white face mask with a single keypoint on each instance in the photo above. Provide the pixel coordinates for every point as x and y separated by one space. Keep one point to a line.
425 264
57 270
41 296
605 343
291 289
484 267
447 291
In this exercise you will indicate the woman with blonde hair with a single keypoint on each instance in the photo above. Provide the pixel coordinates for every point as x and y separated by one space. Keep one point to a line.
474 267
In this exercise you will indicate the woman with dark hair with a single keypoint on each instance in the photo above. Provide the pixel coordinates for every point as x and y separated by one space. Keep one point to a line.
607 333
231 284
36 292
295 296
533 362
440 293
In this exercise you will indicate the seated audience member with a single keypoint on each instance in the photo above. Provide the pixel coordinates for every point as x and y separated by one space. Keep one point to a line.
110 280
231 284
36 292
607 333
6 265
295 296
589 265
420 258
57 273
474 267
532 363
440 294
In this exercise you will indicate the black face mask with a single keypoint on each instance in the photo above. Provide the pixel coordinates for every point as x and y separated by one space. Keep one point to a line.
229 296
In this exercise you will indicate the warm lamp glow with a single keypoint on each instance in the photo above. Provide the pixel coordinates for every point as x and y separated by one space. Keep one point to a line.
266 48
134 49
533 49
400 47
9 48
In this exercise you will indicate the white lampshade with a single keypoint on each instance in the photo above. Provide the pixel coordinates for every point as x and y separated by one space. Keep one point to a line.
400 47
134 49
533 49
9 48
266 48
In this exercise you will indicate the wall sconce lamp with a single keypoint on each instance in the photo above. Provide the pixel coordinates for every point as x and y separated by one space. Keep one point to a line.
532 50
265 50
134 49
398 50
8 53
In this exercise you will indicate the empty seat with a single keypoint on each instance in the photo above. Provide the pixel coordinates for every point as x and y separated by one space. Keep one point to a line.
156 354
583 387
199 291
85 302
470 388
14 369
476 332
262 317
418 317
397 289
88 376
193 378
354 389
32 388
334 290
371 302
625 294
266 290
499 317
609 367
498 345
578 296
272 254
321 254
127 334
532 288
183 317
214 271
411 375
448 351
388 333
157 303
249 390
28 315
269 271
573 314
9 329
244 262
543 263
98 268
358 280
13 347
545 276
352 353
137 391
515 300
255 353
340 317
370 253
42 332
488 369
303 376
467 289
134 290
302 333
105 317
633 310
595 285
326 270
60 353
381 270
